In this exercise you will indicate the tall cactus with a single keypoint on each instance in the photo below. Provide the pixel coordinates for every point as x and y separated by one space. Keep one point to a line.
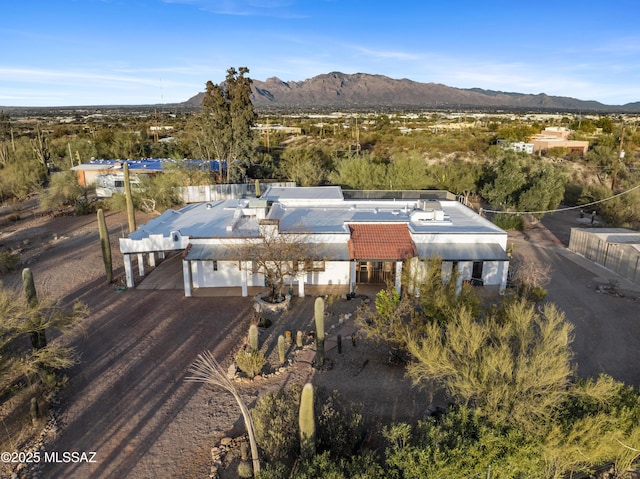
106 245
29 286
307 423
318 311
36 334
281 354
253 337
258 193
131 216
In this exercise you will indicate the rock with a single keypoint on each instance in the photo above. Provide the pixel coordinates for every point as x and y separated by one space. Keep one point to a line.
233 369
225 441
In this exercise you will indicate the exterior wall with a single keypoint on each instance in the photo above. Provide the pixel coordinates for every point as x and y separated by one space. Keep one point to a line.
493 272
335 272
623 259
228 274
465 270
175 241
546 144
460 239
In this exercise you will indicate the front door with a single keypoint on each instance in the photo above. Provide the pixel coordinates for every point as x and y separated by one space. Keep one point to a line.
375 272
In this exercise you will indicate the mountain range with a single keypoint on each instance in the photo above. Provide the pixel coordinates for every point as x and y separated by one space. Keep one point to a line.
337 90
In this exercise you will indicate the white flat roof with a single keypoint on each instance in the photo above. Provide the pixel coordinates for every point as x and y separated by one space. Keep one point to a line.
311 211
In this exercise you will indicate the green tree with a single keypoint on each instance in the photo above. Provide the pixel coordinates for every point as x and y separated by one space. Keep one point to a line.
406 172
228 116
513 366
360 172
307 166
517 182
460 443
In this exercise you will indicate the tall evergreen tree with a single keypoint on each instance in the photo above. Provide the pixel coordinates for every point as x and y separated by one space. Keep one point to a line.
228 116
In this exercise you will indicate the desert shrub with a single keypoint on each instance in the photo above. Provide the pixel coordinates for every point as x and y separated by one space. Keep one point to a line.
274 470
8 261
250 361
361 466
245 469
340 425
533 293
509 222
275 418
63 191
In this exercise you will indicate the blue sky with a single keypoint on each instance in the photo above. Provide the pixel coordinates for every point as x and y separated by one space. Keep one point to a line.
107 52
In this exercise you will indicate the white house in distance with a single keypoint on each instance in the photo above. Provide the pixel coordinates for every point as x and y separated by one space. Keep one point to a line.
349 241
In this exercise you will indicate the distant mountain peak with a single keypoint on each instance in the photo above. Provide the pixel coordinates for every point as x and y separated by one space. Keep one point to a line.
371 91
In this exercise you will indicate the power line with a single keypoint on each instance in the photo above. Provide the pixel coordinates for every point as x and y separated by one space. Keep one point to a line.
483 210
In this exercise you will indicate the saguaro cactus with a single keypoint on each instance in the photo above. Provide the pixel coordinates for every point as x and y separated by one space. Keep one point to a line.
253 337
131 216
299 339
281 355
307 423
37 335
258 193
29 288
318 311
106 245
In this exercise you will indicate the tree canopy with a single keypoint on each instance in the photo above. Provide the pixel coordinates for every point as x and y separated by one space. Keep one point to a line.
226 121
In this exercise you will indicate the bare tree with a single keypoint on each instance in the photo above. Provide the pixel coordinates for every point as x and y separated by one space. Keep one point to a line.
528 274
207 370
280 257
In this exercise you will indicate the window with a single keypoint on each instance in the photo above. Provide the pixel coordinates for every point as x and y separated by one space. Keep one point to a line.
314 265
215 265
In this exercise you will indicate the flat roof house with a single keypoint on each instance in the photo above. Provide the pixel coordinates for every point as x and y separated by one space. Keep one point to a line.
346 241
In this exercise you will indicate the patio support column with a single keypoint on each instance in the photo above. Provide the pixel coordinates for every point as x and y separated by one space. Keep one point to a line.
128 271
152 259
141 264
160 254
352 276
301 280
398 276
459 279
186 274
505 275
243 274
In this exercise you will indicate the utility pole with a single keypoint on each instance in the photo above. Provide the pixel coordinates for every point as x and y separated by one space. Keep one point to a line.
618 159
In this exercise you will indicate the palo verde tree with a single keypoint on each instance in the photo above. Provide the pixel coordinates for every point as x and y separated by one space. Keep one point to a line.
514 365
225 125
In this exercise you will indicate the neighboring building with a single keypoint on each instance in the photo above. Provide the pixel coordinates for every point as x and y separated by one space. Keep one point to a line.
617 249
519 146
558 137
88 173
348 241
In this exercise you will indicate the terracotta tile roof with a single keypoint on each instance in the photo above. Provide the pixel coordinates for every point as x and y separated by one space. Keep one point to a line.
381 241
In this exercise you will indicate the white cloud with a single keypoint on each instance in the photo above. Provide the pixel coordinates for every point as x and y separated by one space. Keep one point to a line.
267 8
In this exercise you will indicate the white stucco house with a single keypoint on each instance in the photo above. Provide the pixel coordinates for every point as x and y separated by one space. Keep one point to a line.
348 242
